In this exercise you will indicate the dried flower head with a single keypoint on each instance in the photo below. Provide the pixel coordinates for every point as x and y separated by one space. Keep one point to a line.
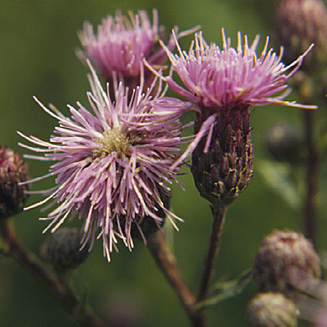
286 262
112 165
224 83
13 171
272 310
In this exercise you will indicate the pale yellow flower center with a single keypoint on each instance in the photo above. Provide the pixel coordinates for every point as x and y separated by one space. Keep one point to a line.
112 141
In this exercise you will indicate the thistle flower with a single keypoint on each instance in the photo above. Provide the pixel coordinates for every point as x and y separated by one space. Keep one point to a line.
13 170
112 165
121 44
224 84
286 262
272 310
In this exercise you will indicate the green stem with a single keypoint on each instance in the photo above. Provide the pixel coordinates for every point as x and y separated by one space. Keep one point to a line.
213 248
54 284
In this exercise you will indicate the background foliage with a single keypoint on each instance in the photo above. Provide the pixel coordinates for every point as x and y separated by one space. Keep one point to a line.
38 40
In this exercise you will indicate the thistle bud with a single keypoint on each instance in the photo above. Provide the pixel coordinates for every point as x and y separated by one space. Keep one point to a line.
284 143
300 23
271 310
63 249
13 170
226 169
285 262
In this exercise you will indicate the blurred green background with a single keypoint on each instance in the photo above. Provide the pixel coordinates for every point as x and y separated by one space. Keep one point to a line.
38 40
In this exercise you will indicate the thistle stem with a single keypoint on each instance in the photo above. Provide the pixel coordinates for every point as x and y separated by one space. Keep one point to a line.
312 178
213 248
165 260
55 285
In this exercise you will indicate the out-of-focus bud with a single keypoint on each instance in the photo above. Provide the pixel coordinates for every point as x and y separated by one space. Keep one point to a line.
286 262
63 249
284 143
271 310
13 170
300 23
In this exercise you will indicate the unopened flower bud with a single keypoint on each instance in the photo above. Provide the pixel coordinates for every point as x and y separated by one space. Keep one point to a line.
64 250
13 170
226 169
283 142
271 310
300 23
285 262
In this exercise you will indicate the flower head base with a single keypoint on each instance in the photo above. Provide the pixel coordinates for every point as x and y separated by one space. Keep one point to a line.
112 165
223 168
121 44
13 171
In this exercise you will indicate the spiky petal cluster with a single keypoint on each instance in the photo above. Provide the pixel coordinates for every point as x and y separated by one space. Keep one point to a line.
112 165
224 78
122 43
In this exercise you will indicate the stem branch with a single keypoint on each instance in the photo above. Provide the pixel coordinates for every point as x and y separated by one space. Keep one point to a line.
55 285
158 248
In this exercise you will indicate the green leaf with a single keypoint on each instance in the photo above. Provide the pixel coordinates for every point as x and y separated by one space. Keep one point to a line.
279 177
226 290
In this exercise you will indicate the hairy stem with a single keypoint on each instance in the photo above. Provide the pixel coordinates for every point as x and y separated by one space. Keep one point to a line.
166 261
54 284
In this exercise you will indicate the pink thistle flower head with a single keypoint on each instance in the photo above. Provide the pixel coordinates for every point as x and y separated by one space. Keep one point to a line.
121 44
224 83
113 164
226 77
